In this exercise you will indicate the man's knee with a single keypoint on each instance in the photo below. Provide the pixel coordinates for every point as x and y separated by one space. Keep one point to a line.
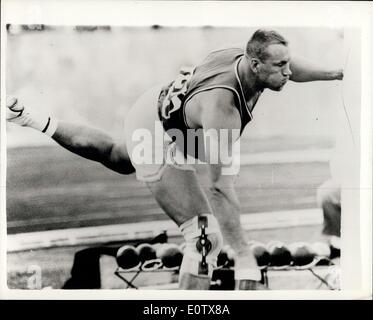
329 193
203 244
119 160
329 199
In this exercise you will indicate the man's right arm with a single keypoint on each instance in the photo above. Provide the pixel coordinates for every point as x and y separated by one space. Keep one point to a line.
219 114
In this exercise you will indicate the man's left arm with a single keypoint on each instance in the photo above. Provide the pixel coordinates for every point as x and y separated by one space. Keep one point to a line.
305 71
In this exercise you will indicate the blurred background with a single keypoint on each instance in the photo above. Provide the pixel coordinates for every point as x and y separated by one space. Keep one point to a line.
94 74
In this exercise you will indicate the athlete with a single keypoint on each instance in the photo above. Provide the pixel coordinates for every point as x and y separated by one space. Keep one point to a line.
217 96
329 200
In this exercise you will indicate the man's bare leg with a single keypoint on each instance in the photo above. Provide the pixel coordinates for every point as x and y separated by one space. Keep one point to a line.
94 144
180 195
88 142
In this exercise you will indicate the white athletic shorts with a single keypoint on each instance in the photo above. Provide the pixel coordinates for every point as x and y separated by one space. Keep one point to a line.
149 147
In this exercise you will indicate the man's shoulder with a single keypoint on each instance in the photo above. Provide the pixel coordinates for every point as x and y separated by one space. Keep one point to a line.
217 96
236 48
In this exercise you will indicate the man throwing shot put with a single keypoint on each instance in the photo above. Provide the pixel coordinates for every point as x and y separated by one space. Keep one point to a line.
216 98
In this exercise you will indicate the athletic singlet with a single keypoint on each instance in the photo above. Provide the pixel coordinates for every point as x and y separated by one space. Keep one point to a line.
218 70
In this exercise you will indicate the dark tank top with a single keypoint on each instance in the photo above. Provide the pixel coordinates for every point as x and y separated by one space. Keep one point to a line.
218 70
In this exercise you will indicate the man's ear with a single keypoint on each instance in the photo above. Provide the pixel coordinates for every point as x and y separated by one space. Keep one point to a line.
254 64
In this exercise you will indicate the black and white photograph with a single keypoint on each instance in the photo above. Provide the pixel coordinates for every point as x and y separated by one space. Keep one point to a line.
145 152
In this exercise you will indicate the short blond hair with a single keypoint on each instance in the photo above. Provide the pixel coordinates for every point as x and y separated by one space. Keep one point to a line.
260 40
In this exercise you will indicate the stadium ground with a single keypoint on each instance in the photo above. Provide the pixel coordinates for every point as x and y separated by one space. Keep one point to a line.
56 263
49 188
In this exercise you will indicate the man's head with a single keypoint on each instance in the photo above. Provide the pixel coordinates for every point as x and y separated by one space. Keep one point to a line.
268 56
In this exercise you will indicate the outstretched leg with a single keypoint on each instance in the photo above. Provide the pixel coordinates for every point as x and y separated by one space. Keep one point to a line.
95 145
88 142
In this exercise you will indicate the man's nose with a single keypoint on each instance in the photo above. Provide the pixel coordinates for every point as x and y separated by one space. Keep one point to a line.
287 72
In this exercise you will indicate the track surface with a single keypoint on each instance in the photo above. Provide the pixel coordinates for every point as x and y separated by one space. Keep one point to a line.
57 270
50 188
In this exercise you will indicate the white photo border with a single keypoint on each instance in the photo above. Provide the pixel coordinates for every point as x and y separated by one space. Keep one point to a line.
184 13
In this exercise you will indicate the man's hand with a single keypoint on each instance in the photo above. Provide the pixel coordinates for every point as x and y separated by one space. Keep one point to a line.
339 74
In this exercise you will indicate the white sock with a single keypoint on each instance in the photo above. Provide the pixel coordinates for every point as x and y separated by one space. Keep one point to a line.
335 242
18 114
51 127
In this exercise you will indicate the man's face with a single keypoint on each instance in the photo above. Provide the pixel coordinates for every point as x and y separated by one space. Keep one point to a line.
274 71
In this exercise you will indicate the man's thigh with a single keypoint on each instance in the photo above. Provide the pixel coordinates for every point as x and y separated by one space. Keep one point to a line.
144 135
180 194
